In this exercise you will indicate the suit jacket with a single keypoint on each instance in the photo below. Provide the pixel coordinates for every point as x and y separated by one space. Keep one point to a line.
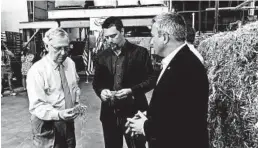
137 74
177 115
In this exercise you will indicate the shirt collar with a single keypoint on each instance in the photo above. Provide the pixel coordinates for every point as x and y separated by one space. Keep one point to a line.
122 49
168 58
54 65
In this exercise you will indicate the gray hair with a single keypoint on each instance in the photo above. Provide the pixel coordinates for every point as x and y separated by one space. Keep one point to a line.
53 33
172 24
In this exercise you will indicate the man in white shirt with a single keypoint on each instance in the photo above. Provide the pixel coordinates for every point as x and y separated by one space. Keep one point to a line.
53 92
177 113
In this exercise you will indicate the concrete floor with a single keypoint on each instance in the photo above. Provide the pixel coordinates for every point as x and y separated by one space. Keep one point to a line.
16 128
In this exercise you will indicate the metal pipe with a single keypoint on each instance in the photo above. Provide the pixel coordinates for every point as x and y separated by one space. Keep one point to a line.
33 10
37 30
232 8
170 5
200 17
244 3
216 15
193 19
251 11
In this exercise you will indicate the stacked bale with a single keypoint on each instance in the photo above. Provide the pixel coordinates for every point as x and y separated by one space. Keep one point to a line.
232 62
200 38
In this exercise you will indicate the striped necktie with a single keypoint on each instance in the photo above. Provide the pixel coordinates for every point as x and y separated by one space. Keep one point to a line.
67 93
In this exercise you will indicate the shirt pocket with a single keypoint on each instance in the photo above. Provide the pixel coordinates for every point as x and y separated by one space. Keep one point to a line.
49 90
51 84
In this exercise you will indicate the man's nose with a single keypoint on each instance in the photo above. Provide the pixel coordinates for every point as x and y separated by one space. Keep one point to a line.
109 39
151 42
63 52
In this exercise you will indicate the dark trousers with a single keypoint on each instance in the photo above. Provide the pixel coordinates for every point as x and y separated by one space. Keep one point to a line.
114 129
52 134
64 134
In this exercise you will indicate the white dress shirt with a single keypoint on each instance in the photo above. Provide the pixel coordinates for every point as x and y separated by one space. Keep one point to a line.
45 92
197 54
167 60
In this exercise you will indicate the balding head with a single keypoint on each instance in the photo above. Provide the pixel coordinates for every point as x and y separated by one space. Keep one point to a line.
54 33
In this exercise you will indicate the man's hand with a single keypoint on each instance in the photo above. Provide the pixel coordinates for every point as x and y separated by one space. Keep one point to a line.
135 124
67 114
105 94
123 93
136 116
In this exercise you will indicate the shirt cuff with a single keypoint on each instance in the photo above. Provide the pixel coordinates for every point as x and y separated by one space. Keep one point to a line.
77 95
55 114
143 132
77 99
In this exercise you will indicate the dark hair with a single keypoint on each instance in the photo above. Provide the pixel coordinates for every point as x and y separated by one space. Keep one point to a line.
190 35
113 21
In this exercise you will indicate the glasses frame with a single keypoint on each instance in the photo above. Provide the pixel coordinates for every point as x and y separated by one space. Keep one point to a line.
66 49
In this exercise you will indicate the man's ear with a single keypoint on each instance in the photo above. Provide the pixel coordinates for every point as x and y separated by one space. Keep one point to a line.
166 38
122 31
46 47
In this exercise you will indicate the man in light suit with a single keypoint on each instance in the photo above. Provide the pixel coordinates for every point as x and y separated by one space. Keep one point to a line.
177 114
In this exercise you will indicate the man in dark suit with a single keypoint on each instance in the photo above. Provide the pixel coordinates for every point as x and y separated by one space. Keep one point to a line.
123 75
177 114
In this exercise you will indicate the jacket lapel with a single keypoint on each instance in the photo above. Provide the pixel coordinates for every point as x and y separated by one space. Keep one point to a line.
127 58
163 78
171 64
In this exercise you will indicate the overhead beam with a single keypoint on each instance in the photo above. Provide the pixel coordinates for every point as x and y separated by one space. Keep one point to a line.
80 23
188 11
122 12
38 25
137 22
75 24
53 24
232 8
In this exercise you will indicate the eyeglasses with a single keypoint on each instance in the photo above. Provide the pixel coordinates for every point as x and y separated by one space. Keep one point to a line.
65 48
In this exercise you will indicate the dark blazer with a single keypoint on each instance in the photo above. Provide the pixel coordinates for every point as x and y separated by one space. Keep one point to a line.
137 74
177 115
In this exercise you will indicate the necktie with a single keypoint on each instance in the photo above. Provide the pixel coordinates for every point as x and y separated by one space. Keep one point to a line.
67 93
